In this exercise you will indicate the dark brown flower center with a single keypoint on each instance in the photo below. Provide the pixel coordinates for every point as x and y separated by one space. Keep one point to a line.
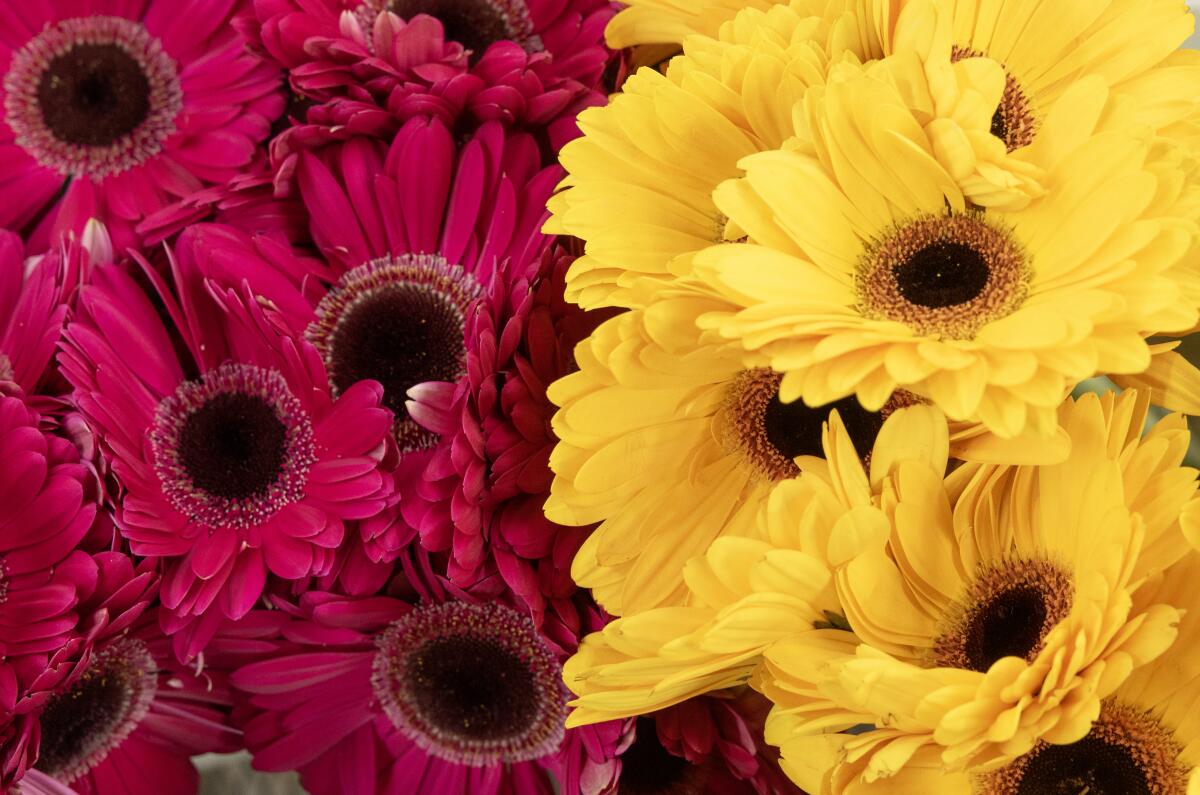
400 321
475 24
1007 612
771 433
945 275
93 94
1127 752
474 684
82 724
942 274
233 446
473 687
400 335
647 768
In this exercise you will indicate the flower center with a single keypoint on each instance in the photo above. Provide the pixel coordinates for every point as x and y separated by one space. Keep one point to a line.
1127 752
1008 611
473 684
771 434
81 724
6 371
400 321
234 447
647 768
943 275
1013 122
92 96
475 24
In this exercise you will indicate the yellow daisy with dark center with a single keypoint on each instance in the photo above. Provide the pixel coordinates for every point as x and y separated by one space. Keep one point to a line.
883 272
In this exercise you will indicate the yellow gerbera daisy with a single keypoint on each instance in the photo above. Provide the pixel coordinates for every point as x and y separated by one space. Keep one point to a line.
671 442
1001 608
885 276
746 593
640 180
1146 738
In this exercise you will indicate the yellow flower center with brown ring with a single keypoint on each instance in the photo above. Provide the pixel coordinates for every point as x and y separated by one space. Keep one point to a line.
943 275
1007 611
1014 121
1127 752
769 434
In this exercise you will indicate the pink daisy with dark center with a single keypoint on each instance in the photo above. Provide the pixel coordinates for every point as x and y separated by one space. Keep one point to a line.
131 717
66 711
438 694
113 109
237 458
413 233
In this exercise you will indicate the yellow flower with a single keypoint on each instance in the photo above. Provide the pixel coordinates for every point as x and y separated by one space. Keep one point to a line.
1000 610
749 590
671 442
640 179
884 275
1146 738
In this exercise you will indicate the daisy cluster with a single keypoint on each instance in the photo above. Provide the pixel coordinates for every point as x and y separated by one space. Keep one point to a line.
862 253
667 397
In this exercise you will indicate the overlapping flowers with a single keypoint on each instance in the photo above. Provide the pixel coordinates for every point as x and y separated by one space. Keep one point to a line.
532 396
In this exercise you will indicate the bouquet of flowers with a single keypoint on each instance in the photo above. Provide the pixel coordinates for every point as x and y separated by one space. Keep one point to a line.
668 397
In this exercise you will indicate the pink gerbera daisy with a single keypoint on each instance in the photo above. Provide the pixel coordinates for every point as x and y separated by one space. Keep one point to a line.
110 603
129 718
434 693
490 472
114 108
236 457
550 51
413 234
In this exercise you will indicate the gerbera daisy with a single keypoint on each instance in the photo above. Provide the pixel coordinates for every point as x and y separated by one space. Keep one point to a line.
110 602
1144 739
431 693
114 109
130 718
236 457
961 638
405 264
899 281
654 395
662 146
534 63
938 623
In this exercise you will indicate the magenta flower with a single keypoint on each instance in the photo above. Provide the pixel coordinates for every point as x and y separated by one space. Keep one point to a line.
413 234
114 108
236 457
490 474
39 725
711 743
528 62
44 516
437 692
